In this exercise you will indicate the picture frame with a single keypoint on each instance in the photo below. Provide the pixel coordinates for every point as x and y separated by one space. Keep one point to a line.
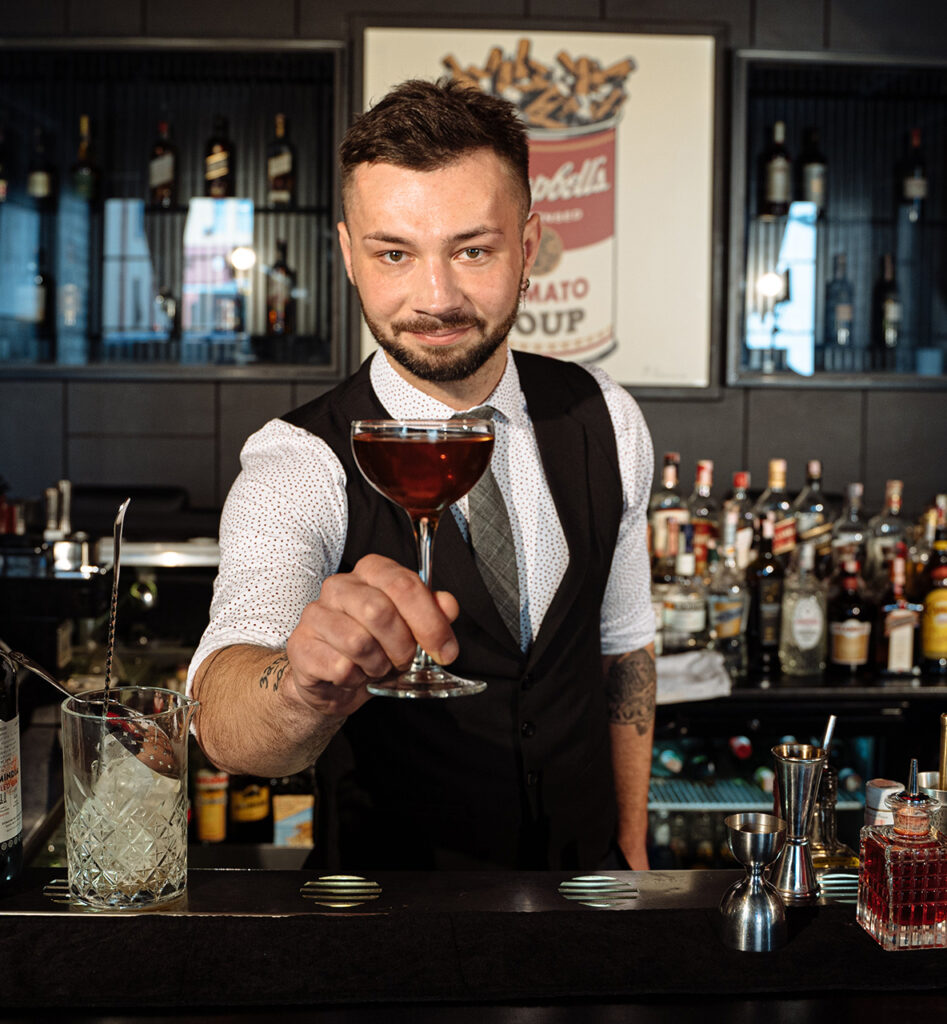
629 275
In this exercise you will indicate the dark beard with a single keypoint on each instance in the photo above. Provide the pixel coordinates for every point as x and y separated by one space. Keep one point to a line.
443 365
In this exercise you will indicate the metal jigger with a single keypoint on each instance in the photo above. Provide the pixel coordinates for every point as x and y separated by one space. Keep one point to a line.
798 773
753 916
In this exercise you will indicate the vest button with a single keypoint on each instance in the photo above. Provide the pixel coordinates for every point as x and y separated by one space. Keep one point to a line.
532 778
527 682
528 729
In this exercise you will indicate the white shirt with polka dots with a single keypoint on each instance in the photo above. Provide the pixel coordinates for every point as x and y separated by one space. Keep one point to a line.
284 522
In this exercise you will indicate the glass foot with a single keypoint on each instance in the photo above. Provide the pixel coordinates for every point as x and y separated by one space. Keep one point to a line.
426 682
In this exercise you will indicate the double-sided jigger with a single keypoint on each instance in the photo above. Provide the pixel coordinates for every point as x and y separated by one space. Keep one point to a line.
754 920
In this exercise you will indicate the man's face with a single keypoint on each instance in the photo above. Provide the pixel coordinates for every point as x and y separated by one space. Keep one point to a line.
438 259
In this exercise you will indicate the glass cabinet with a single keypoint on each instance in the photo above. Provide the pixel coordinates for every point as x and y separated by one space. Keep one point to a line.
838 243
165 210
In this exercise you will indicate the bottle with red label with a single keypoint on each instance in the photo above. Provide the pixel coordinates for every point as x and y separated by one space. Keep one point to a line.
704 513
666 505
851 614
776 500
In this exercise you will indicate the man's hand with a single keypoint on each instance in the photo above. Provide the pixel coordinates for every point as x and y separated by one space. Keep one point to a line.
364 626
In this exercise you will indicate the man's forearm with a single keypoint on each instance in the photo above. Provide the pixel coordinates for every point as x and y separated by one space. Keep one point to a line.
631 685
250 720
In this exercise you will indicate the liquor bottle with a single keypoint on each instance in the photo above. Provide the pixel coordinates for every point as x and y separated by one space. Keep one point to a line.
829 853
6 171
912 183
44 301
209 801
219 162
813 172
251 813
897 634
280 168
934 616
809 508
885 530
704 513
11 807
851 614
294 799
776 178
280 301
40 176
850 530
667 504
764 576
746 523
163 170
803 632
888 317
902 885
919 554
776 499
83 174
685 606
839 306
728 600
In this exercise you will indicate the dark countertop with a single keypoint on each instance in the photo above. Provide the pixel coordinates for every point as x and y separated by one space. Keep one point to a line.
500 946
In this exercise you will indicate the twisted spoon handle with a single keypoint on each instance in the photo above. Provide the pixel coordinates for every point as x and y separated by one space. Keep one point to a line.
113 608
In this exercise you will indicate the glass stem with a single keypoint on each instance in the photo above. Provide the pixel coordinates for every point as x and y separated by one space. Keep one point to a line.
424 529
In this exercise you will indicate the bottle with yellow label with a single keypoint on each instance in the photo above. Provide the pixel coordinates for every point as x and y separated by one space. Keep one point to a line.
934 616
251 813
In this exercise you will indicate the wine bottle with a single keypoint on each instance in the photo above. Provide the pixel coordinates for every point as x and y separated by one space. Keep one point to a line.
11 807
913 178
83 174
764 577
813 172
839 307
776 178
851 614
219 162
40 177
281 168
280 302
162 169
888 317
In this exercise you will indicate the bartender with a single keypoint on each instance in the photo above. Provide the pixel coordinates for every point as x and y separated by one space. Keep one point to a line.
316 595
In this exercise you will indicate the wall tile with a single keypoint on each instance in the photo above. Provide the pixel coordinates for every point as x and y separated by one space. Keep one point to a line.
40 18
906 437
698 430
147 462
734 14
798 425
319 20
31 430
917 28
106 18
244 408
130 407
796 26
206 19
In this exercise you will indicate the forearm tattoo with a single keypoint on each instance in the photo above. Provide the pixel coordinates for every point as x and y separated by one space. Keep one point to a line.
631 687
273 673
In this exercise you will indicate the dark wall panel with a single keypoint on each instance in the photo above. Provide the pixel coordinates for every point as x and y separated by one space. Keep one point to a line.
913 27
798 25
130 407
207 19
31 435
41 18
244 408
736 15
106 17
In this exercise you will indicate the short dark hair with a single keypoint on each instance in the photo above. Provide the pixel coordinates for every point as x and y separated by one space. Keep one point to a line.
425 125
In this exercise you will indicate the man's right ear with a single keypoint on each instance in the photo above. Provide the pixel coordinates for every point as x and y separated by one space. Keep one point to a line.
345 244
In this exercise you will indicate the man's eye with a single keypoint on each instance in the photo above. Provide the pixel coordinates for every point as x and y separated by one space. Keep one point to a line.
473 253
394 256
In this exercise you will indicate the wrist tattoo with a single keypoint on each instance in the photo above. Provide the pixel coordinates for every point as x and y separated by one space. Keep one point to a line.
273 673
631 685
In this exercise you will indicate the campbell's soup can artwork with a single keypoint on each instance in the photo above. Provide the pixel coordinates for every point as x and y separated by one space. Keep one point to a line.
572 107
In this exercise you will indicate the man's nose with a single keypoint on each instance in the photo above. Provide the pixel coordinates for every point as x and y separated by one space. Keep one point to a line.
439 290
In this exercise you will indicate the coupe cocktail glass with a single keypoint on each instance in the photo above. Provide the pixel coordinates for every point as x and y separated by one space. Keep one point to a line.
423 466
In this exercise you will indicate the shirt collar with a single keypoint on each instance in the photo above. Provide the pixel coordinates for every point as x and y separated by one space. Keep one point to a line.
404 401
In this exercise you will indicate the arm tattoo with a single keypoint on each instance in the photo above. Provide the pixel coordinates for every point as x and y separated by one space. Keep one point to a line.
631 688
274 673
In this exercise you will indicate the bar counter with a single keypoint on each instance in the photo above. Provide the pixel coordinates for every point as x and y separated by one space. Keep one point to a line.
489 946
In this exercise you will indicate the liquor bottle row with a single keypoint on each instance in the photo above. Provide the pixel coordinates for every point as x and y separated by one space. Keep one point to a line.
785 586
245 809
40 178
783 179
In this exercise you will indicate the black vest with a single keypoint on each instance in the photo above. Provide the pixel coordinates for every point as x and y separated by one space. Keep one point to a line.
518 776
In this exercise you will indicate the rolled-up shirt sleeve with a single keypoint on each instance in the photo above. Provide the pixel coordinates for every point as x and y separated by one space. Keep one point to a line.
282 532
627 620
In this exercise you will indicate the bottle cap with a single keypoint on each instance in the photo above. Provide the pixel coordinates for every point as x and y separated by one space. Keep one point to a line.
741 479
912 809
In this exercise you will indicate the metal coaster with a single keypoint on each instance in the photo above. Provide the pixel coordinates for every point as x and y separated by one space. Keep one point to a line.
599 891
839 886
340 892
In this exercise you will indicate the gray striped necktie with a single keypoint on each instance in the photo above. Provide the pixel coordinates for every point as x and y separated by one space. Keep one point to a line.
492 539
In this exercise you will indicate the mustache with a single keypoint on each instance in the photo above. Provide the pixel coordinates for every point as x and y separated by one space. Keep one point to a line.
429 324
